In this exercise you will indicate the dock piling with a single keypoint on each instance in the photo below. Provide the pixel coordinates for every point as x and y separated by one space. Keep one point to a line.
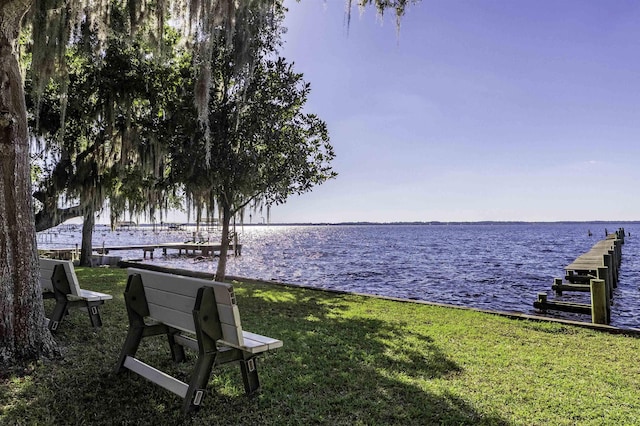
557 286
598 302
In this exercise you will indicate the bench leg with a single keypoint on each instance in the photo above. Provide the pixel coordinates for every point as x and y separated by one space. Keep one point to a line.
59 311
177 350
94 313
198 381
249 368
130 347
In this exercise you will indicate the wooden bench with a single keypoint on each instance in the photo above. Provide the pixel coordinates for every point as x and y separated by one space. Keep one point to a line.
59 281
160 303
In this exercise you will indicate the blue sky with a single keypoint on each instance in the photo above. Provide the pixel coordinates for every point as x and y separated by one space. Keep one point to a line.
476 110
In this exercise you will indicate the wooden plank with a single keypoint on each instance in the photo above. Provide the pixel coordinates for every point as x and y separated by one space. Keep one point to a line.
47 266
169 283
170 300
254 347
224 293
187 286
46 284
186 341
577 308
269 341
584 266
156 376
46 272
571 287
229 315
74 284
92 296
173 318
257 346
255 343
232 335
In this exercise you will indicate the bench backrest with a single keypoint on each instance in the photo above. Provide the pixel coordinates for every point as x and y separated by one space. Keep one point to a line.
171 300
46 273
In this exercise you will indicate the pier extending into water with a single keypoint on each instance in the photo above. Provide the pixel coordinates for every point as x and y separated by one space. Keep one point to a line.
596 272
195 248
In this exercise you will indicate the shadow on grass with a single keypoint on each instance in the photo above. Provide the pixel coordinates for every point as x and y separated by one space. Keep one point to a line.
339 365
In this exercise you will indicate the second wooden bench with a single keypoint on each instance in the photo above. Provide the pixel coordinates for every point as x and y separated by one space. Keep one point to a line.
59 281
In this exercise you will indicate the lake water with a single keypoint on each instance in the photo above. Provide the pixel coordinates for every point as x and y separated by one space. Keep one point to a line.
487 266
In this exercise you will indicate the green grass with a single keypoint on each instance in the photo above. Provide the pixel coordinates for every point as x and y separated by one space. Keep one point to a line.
346 360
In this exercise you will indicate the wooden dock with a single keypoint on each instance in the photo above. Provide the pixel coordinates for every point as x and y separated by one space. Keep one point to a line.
202 249
596 272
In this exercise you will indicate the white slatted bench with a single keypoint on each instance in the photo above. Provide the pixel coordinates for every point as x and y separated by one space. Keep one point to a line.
161 303
58 281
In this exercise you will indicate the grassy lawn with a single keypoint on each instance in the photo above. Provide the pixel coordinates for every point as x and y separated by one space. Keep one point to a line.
346 360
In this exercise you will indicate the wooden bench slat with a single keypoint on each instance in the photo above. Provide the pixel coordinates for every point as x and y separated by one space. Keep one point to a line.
156 376
229 314
273 343
224 293
188 285
256 343
172 309
172 317
232 335
93 295
186 341
169 300
45 283
74 284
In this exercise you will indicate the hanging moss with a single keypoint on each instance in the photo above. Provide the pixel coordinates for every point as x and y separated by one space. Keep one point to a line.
240 27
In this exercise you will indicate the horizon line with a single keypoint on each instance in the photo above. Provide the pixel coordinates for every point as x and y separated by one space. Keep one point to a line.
427 223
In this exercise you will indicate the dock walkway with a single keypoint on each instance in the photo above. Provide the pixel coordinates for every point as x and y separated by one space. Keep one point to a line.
203 249
596 272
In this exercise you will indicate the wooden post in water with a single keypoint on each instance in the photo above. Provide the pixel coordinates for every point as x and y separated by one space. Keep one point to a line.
603 274
614 269
608 262
598 302
558 283
542 299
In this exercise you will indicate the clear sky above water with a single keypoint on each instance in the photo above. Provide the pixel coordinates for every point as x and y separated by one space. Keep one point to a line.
476 110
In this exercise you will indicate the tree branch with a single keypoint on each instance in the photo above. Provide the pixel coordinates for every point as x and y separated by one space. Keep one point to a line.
48 218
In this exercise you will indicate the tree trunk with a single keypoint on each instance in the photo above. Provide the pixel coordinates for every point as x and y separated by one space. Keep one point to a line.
23 334
224 243
86 250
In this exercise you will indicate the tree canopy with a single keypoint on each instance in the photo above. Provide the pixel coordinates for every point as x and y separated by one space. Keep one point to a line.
57 23
262 146
103 139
